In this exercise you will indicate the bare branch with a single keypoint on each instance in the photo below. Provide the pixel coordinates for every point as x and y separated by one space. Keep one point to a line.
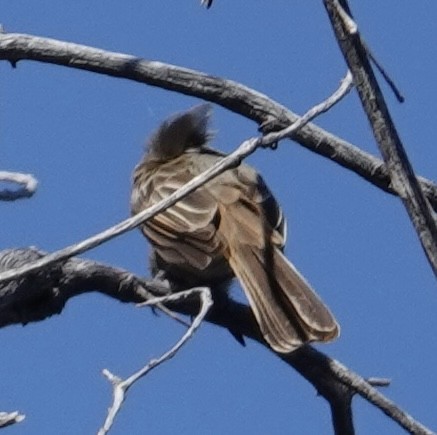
232 160
345 86
227 93
9 418
45 293
402 176
27 181
122 386
365 390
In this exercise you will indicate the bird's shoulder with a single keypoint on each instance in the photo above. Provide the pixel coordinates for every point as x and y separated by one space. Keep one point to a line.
237 191
242 192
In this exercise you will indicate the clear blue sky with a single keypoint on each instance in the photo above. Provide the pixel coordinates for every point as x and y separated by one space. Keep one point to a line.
81 134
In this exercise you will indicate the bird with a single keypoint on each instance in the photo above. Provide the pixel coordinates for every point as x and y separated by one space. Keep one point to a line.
232 226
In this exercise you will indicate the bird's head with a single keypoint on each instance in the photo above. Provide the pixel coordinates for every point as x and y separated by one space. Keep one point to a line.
179 133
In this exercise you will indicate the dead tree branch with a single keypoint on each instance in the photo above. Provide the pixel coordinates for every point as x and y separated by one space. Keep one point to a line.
27 182
121 386
10 418
41 294
402 176
227 93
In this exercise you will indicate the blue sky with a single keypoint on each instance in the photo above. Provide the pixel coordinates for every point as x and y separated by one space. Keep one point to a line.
81 134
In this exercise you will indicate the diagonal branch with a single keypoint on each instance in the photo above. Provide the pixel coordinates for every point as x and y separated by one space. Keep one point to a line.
27 182
121 386
401 172
372 395
231 160
227 93
44 293
10 418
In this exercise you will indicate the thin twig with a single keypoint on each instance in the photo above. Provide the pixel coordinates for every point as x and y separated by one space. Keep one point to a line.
378 382
9 418
121 387
352 29
149 296
27 182
233 159
392 85
346 85
372 395
350 25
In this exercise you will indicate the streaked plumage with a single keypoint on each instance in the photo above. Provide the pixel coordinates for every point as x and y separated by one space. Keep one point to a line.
231 226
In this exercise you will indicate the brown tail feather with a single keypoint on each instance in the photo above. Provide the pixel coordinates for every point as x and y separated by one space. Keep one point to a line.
288 311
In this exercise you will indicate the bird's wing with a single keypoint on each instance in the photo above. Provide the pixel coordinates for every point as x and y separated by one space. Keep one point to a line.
185 233
244 199
287 309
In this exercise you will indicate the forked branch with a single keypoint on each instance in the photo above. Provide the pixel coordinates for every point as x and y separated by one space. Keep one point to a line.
403 178
44 293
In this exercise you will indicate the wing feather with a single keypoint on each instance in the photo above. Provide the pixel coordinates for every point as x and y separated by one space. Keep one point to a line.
187 231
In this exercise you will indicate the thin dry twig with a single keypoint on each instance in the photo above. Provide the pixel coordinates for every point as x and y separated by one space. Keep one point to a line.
349 23
372 395
352 28
120 386
378 382
9 418
27 182
346 85
234 158
149 296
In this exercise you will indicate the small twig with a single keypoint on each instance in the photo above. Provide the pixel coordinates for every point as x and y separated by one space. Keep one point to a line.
234 158
172 315
384 73
27 182
352 29
346 85
350 25
149 296
372 395
378 382
120 387
9 418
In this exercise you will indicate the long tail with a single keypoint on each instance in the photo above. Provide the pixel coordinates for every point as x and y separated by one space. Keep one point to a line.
288 311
